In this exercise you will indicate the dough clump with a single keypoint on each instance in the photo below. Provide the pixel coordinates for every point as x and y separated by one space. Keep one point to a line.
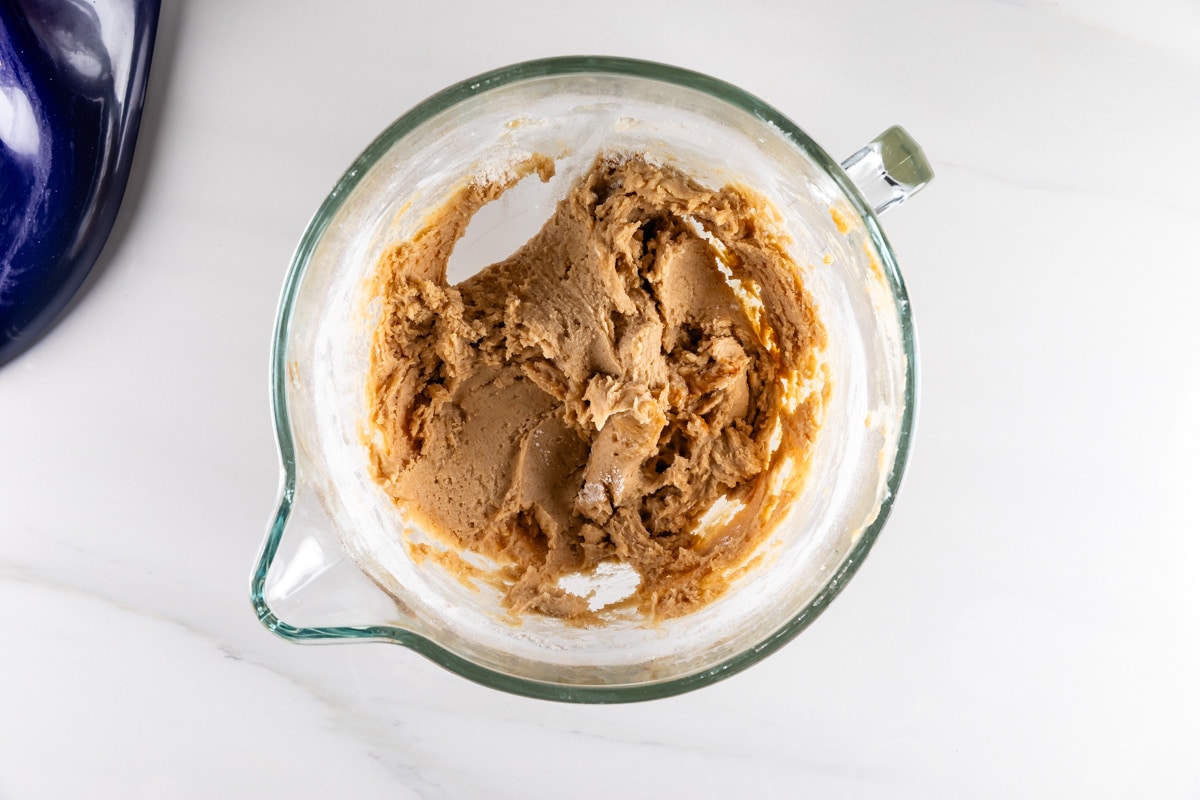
649 353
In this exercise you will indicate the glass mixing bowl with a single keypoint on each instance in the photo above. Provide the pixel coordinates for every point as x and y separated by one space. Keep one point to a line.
333 567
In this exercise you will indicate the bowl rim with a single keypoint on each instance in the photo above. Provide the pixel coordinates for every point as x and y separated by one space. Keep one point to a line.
579 693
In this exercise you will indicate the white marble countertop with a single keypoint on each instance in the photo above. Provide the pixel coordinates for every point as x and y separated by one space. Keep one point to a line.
1028 625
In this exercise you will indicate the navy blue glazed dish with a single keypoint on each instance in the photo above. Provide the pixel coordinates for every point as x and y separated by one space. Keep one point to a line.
73 79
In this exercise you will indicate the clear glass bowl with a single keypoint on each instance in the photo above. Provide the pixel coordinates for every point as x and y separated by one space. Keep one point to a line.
333 567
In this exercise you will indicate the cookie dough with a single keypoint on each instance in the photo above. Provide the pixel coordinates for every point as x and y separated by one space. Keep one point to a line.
638 383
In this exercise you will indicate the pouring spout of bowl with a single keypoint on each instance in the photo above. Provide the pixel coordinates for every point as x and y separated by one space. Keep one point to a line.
889 170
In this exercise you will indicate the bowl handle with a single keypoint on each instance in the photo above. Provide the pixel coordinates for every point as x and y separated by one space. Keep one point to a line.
889 170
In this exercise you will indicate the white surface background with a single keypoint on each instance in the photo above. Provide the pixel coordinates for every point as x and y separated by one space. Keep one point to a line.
1028 624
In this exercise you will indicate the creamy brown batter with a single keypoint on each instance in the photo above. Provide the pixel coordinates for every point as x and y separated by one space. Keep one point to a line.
588 399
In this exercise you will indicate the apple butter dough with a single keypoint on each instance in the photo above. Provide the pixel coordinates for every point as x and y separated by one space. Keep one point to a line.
593 396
